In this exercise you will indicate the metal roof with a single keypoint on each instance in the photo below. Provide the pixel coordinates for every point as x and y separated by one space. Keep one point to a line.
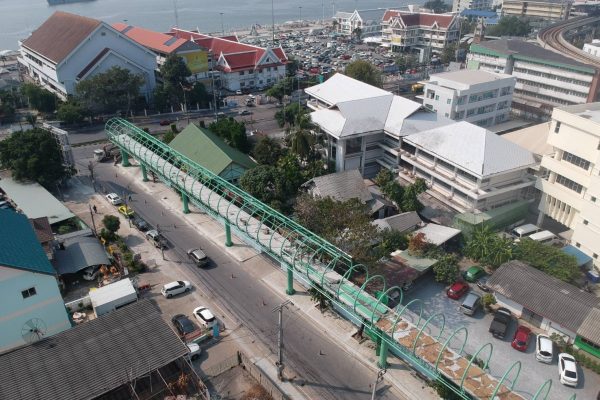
341 88
93 358
590 327
533 138
35 201
19 245
79 253
543 294
404 222
437 234
341 186
111 292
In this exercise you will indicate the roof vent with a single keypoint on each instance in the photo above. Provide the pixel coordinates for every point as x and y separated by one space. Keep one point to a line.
564 291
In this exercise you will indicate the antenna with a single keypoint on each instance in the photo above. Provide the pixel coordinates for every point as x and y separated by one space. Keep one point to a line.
176 15
33 330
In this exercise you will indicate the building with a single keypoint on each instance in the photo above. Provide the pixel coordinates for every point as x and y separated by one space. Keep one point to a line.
458 6
570 181
408 31
129 353
403 223
31 305
481 97
593 48
163 45
542 10
468 167
210 151
364 124
241 66
78 253
44 234
545 79
548 303
69 48
367 22
535 139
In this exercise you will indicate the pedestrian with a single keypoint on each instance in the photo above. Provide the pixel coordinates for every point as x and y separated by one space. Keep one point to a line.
95 209
129 198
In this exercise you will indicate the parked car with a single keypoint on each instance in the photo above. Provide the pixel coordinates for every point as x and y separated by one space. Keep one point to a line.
521 339
457 290
245 112
165 122
471 303
174 288
198 257
567 369
482 284
194 351
126 211
473 273
500 323
156 239
204 316
114 199
544 349
139 223
185 327
238 92
90 273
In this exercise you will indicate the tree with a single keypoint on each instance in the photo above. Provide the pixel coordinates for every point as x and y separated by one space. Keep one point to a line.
301 143
117 89
70 113
233 132
290 115
438 6
406 61
486 246
39 98
417 245
357 32
390 241
267 151
281 88
410 201
488 300
449 54
510 26
365 72
290 176
291 67
317 295
199 95
548 259
31 119
34 155
168 136
446 268
111 223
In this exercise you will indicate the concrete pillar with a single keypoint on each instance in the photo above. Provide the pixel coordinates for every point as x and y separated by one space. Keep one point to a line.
228 241
383 353
185 199
144 173
125 158
290 280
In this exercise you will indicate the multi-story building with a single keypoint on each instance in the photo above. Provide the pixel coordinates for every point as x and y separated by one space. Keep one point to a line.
480 97
459 6
570 184
404 30
545 79
31 305
367 22
547 10
468 167
241 66
593 48
69 48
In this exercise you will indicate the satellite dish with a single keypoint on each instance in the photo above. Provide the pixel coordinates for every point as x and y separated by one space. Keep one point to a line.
33 330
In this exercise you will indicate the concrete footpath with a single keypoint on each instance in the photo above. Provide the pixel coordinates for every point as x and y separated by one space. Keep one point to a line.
338 329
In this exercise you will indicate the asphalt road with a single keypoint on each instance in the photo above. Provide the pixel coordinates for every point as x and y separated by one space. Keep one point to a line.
327 370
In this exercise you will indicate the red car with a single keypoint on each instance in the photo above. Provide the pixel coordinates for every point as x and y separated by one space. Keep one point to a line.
457 290
521 340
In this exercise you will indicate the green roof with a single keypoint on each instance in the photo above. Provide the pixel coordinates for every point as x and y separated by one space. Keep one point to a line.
19 246
209 150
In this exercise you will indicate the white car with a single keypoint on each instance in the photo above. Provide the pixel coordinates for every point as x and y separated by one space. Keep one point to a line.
114 199
544 349
174 288
204 316
195 351
90 273
567 369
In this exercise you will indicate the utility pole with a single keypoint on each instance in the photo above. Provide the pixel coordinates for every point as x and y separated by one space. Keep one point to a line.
279 363
273 22
126 209
91 168
222 26
379 378
162 247
93 221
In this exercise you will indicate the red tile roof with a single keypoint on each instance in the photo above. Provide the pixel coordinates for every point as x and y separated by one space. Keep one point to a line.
157 41
239 56
419 19
60 34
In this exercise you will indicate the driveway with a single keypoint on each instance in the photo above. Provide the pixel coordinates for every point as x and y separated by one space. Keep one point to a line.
533 373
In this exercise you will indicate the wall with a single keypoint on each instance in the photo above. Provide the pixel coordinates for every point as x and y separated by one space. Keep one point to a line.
514 308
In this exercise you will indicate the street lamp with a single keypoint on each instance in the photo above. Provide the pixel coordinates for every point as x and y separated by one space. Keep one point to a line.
185 103
222 28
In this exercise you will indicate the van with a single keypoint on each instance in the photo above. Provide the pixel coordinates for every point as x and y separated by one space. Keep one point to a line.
543 237
525 230
471 303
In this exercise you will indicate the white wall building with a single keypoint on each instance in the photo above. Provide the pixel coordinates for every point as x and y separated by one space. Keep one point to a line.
461 5
368 21
480 97
468 167
571 184
593 48
68 48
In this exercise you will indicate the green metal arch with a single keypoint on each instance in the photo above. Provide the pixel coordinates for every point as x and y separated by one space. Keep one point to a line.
399 315
414 347
473 358
331 263
348 275
362 288
547 385
447 342
384 294
514 381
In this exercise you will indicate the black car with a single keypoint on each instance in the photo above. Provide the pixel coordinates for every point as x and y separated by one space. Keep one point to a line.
186 328
139 223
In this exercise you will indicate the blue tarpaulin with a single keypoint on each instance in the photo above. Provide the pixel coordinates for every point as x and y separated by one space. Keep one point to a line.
581 257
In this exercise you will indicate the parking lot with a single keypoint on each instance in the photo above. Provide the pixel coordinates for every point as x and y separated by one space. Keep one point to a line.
533 373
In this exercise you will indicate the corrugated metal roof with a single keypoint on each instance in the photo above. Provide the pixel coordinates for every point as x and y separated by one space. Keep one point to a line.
590 327
341 186
19 245
42 229
79 253
543 294
93 358
341 88
157 41
404 222
111 292
437 234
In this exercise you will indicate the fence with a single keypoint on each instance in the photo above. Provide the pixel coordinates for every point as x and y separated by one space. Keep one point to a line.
79 304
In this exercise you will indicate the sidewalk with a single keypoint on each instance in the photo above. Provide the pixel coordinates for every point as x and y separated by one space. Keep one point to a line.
339 329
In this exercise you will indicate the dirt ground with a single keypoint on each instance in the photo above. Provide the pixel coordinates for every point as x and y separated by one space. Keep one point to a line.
235 384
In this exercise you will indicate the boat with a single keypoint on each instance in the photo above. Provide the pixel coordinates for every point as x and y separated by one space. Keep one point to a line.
59 2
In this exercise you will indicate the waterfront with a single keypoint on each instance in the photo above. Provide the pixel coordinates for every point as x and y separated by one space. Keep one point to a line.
18 18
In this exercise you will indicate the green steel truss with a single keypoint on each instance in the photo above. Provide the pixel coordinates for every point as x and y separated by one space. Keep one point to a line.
304 255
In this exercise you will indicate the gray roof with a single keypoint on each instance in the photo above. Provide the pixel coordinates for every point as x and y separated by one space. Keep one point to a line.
405 222
93 358
590 327
79 253
547 296
341 186
375 14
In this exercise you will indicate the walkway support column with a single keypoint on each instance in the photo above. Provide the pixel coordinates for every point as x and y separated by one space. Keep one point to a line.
125 158
228 241
144 173
290 280
383 353
185 199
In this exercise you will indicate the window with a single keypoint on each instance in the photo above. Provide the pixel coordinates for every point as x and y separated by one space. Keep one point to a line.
241 73
557 127
28 292
354 146
575 160
437 97
448 101
569 184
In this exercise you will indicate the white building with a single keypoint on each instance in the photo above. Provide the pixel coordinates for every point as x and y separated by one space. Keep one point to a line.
69 48
367 21
468 167
546 10
593 48
461 5
480 97
571 184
